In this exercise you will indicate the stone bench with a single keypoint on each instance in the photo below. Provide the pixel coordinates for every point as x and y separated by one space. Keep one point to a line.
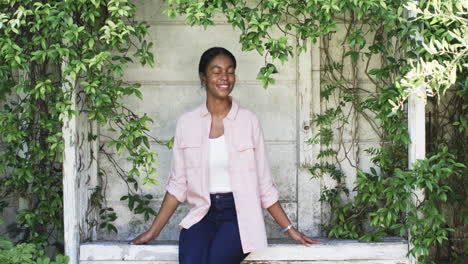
330 251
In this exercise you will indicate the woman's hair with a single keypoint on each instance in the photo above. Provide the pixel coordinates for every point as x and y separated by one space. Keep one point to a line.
210 54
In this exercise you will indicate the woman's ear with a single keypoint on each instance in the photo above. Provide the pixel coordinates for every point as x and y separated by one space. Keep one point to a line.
202 78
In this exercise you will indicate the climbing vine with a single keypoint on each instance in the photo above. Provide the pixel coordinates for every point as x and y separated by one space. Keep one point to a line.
384 55
49 52
25 253
374 54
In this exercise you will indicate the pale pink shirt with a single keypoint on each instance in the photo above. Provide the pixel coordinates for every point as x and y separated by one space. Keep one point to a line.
252 185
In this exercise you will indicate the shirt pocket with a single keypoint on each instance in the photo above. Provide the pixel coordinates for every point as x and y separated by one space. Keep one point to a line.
244 156
191 148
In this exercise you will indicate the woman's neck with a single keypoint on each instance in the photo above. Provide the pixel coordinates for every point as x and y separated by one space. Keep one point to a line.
218 107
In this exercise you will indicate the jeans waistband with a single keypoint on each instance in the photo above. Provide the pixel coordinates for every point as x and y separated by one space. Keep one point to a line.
221 196
222 202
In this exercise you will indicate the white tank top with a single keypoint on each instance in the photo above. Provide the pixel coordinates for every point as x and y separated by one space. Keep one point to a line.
219 175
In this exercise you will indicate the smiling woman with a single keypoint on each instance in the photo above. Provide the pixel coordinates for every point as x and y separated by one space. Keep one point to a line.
217 72
219 167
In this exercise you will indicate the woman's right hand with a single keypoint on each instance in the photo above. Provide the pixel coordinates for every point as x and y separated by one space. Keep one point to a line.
169 205
143 238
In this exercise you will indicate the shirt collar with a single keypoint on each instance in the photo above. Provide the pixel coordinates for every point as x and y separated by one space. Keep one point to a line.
232 113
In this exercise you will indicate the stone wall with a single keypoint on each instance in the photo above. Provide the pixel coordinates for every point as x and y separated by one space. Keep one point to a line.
173 87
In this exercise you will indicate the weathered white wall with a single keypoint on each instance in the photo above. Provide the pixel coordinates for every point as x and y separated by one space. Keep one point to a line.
172 87
354 137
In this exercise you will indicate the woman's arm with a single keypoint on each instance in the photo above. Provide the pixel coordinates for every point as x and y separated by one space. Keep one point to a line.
283 221
176 193
267 188
169 205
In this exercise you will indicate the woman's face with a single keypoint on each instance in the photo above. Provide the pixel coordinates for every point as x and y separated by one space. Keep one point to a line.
220 77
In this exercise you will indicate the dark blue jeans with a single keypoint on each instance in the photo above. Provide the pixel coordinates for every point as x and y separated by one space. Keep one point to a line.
215 239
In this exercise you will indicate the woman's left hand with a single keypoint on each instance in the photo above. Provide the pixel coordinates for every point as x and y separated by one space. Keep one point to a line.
301 238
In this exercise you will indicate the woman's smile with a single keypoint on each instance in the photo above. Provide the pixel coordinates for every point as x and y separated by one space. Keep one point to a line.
223 87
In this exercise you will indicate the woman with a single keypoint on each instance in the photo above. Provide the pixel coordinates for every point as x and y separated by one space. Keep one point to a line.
220 168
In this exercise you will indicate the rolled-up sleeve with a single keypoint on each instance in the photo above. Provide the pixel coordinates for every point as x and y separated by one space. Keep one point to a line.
177 179
267 186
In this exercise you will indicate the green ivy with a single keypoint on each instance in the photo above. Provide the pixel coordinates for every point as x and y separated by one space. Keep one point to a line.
50 50
25 253
427 48
28 254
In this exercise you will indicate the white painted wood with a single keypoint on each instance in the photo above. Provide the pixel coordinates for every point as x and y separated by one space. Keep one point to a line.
128 262
70 179
259 262
309 207
417 132
348 262
391 251
333 251
79 170
417 126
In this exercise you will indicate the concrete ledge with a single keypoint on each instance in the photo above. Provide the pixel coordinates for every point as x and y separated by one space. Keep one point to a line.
391 250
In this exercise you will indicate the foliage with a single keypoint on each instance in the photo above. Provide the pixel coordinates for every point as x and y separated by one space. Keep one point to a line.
444 48
256 21
54 54
24 253
398 51
393 210
28 254
5 243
